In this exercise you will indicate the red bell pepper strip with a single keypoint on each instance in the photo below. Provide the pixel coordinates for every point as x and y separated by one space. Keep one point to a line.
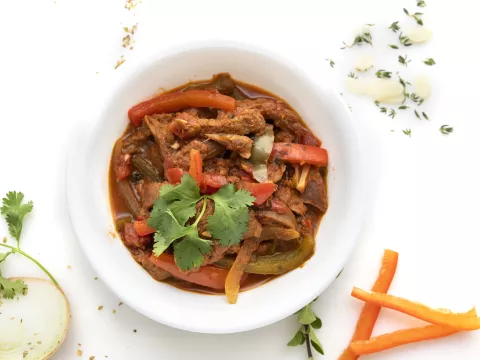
174 175
208 276
300 154
261 191
196 165
180 100
142 229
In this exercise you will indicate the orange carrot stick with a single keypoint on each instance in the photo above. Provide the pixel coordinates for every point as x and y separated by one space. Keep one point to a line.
460 321
401 337
370 312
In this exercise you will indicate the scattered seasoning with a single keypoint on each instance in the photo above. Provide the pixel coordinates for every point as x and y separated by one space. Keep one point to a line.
120 303
417 115
4 240
403 60
79 352
112 234
403 107
382 74
127 41
421 3
392 113
79 344
134 330
69 267
131 4
119 62
404 40
331 62
95 278
393 47
365 38
429 62
383 110
39 342
25 353
91 358
21 321
394 27
352 75
100 307
407 132
425 116
416 16
446 129
114 311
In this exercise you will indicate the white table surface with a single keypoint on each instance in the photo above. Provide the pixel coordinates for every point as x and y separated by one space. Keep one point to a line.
427 187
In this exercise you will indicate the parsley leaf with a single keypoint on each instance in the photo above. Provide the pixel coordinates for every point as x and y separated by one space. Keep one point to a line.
11 288
14 212
230 219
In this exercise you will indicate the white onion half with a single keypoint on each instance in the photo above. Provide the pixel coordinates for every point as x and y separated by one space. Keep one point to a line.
33 326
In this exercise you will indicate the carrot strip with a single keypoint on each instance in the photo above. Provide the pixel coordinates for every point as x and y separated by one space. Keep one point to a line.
398 338
370 312
460 321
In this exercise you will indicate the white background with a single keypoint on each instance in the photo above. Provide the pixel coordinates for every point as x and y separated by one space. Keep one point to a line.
427 187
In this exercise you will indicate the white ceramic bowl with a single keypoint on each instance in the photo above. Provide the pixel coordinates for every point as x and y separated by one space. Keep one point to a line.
88 196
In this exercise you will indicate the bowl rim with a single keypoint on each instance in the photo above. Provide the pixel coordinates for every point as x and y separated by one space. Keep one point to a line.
131 69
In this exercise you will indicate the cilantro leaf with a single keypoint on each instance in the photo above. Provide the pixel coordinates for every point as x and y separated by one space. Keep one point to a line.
168 230
230 219
189 253
14 211
12 288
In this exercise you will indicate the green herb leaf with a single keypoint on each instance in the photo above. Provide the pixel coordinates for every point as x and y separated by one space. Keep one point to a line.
317 324
383 110
446 129
403 60
425 116
14 211
168 230
306 316
298 339
12 288
403 107
394 27
417 114
393 47
382 74
361 39
230 219
392 113
190 252
421 3
332 63
315 342
352 75
404 40
407 132
429 62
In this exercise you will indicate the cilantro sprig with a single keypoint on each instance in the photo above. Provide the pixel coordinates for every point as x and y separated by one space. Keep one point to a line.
14 210
306 333
177 205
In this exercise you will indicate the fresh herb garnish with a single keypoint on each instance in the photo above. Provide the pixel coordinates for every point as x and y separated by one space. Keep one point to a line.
383 110
446 129
416 99
429 62
392 113
382 74
403 60
364 38
425 116
407 132
393 47
331 62
306 333
177 204
352 75
403 107
417 114
404 40
416 16
14 211
421 3
394 27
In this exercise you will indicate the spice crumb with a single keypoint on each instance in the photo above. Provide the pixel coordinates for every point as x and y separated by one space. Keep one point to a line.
100 307
119 62
120 303
92 358
114 311
79 344
4 240
134 330
95 278
69 267
25 353
79 352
